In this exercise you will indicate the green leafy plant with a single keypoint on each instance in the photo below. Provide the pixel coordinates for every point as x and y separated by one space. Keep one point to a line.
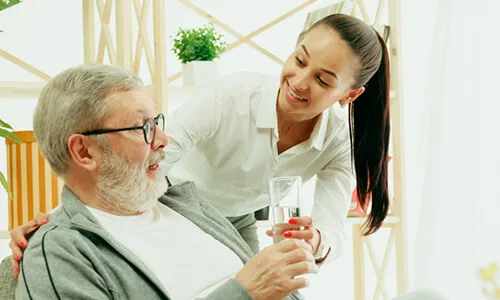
198 44
5 132
4 4
5 129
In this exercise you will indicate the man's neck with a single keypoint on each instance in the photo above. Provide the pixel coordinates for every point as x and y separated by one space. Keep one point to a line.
86 194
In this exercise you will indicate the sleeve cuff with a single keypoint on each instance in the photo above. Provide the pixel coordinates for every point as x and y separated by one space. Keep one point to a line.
232 289
324 248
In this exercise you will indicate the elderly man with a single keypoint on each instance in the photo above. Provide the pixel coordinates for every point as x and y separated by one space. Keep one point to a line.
112 238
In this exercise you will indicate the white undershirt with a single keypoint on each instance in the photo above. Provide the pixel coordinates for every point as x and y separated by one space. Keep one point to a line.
187 261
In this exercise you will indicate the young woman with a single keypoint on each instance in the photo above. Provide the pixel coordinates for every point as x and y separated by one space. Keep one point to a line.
250 128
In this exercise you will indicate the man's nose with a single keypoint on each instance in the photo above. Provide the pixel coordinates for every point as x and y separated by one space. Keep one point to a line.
161 139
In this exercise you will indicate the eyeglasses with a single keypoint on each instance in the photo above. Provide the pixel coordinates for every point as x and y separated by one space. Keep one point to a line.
149 128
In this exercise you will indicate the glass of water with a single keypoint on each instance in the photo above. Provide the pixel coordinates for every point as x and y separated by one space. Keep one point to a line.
285 195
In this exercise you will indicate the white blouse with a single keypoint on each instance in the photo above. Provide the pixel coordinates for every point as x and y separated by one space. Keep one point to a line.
226 142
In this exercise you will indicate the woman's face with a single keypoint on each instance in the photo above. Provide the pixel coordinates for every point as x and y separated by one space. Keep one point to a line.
319 73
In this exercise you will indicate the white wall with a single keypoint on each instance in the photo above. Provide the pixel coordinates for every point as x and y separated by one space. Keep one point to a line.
48 34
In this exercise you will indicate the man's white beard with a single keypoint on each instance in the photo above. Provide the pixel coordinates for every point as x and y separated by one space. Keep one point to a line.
126 189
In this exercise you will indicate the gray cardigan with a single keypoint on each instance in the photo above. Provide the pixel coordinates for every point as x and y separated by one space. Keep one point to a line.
73 257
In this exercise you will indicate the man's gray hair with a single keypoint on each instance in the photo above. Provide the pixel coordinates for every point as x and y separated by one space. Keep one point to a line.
73 102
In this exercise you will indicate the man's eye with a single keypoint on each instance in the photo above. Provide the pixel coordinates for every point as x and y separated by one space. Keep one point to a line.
299 61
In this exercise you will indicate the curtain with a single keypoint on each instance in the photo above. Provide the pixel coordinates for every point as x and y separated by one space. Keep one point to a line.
452 136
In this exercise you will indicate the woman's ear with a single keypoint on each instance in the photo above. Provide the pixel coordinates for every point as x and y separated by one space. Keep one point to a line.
83 151
351 96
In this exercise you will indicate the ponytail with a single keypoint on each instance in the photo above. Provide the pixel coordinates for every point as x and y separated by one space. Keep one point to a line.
369 123
369 119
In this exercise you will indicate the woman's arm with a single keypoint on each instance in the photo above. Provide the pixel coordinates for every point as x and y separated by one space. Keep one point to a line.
195 121
334 186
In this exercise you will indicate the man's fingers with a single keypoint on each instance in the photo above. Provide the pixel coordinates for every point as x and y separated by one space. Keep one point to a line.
301 268
299 255
301 221
298 283
301 235
289 245
269 232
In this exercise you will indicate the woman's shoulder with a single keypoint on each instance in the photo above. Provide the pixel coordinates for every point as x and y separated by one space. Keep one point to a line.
338 124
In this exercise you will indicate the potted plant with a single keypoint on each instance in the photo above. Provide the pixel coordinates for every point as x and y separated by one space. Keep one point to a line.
197 48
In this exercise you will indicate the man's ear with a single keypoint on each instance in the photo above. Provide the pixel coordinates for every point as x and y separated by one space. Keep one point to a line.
351 96
83 151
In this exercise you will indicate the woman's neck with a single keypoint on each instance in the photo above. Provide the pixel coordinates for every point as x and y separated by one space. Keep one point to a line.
292 126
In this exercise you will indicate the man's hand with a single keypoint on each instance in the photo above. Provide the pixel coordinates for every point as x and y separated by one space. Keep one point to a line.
271 273
20 235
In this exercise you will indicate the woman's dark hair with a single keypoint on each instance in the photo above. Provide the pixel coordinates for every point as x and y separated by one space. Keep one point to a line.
369 116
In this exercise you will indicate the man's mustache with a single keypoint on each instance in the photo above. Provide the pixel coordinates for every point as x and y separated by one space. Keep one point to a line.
156 157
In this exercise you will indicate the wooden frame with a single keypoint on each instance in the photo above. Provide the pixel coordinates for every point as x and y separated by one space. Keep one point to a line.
123 54
397 220
399 206
119 48
244 38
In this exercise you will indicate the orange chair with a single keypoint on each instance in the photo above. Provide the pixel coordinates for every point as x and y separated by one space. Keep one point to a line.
34 186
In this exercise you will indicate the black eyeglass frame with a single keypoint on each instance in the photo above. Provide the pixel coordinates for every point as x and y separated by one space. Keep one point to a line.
143 127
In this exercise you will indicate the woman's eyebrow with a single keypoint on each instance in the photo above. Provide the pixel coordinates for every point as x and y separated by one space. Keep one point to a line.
322 69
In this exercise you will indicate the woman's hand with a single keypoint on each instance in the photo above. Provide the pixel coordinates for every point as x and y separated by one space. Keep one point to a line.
292 230
20 235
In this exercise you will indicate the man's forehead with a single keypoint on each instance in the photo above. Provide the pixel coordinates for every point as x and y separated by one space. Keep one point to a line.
129 96
131 104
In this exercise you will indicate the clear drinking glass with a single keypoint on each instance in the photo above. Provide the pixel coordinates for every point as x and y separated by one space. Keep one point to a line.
285 195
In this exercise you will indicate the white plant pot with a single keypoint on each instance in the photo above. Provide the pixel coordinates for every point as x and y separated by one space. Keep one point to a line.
199 73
